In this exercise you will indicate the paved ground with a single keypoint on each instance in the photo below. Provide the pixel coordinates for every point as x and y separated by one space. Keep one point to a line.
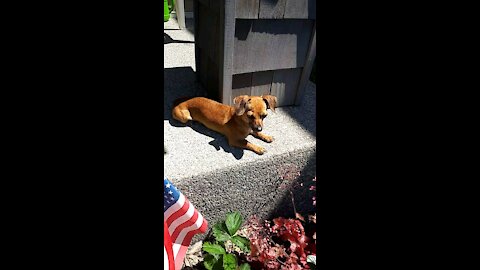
179 52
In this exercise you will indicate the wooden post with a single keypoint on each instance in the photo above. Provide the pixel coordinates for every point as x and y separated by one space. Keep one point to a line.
227 40
196 38
307 68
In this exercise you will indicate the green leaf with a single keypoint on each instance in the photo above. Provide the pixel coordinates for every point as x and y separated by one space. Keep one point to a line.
217 256
245 266
218 265
213 248
229 262
241 242
209 261
220 232
233 222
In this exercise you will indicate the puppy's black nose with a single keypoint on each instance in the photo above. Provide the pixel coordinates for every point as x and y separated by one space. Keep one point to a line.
259 128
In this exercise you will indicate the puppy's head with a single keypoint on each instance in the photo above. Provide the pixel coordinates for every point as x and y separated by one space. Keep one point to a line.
254 109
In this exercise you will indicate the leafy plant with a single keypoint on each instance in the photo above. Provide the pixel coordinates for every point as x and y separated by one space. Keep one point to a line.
224 251
280 244
284 243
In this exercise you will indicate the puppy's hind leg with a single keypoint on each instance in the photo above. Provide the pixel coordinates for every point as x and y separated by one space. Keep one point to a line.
182 115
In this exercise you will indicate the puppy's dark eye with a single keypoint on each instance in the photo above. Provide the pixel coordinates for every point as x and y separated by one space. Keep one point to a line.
262 116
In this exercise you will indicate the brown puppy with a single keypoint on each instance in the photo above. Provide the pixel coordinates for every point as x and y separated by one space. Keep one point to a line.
235 122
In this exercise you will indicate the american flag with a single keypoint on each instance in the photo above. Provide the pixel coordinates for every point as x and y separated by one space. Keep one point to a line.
181 221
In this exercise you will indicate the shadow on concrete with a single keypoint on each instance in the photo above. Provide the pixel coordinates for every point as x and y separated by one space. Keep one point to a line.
219 141
167 40
181 82
302 194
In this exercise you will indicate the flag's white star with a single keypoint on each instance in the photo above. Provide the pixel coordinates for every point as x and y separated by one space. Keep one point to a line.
168 185
170 192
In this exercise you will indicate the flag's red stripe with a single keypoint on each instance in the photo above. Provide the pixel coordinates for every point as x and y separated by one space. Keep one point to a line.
180 212
189 236
185 224
186 242
168 247
180 256
203 228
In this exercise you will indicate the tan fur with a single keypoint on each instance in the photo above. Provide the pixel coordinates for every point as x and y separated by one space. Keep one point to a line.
235 122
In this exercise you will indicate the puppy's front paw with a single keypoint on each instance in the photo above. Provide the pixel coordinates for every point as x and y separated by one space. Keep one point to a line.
260 150
268 139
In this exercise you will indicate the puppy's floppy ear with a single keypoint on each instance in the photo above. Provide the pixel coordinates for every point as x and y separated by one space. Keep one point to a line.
239 104
271 101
